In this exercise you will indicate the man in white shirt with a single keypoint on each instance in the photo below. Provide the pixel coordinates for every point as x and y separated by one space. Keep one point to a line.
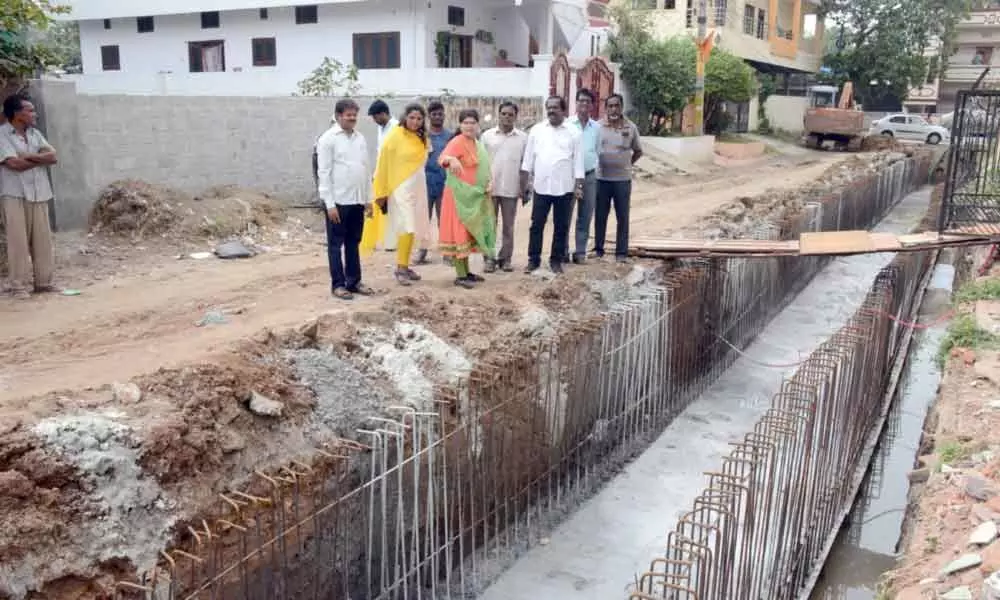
505 145
344 185
553 159
384 122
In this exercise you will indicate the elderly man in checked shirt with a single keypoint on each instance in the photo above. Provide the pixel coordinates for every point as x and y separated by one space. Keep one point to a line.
25 192
505 144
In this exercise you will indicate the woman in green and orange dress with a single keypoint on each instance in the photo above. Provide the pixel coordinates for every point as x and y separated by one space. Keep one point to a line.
466 220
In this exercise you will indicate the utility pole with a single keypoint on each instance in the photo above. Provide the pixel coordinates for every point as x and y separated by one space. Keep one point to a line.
699 83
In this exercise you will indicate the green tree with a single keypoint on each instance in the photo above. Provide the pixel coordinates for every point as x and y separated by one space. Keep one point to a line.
882 42
330 78
22 52
727 79
63 40
660 73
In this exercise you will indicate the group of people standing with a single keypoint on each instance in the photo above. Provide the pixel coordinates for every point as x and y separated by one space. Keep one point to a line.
470 181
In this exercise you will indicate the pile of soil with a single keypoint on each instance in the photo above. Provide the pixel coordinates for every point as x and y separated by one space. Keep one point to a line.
134 207
138 209
877 143
752 216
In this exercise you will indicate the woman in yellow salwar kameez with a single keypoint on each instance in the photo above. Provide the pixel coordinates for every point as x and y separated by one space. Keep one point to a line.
401 191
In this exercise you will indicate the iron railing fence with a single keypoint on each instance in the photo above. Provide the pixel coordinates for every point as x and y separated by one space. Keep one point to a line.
972 177
434 505
762 526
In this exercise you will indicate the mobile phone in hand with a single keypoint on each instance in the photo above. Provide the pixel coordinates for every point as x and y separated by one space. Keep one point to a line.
527 196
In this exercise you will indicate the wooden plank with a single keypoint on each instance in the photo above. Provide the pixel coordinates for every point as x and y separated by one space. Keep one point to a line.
834 242
887 242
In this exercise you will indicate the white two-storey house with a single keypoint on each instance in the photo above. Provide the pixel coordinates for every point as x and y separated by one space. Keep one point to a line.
265 47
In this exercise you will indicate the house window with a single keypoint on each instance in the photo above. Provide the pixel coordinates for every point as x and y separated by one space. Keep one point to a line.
207 57
749 19
107 23
669 4
720 12
456 16
304 15
643 4
376 50
983 55
144 24
110 58
210 20
689 14
453 51
264 52
263 14
761 24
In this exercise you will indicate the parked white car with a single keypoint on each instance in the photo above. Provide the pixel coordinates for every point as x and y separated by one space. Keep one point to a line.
910 127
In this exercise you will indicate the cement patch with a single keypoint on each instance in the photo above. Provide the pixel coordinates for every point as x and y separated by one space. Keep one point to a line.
132 515
614 535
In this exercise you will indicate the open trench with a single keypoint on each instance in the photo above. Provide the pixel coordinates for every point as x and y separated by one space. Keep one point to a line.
868 546
433 487
621 530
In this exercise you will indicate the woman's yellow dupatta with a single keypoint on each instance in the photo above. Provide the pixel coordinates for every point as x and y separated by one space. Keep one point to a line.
403 153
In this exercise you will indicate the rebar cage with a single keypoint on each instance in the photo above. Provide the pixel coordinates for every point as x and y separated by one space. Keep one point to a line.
971 201
434 505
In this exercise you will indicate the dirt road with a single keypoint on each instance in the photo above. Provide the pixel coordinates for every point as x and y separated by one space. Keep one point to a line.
145 318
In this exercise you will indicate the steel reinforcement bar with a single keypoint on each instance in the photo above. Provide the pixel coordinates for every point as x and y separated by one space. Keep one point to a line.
433 505
764 525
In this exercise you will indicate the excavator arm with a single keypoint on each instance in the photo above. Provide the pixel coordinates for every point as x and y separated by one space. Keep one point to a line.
846 96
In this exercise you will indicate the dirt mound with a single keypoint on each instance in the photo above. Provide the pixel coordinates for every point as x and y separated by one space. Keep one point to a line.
878 143
139 209
135 207
212 417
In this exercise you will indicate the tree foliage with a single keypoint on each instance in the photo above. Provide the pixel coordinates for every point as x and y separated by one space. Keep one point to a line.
879 44
660 73
727 79
23 52
331 78
63 41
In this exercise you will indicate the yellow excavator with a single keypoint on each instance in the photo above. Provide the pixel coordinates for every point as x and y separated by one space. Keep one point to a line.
832 119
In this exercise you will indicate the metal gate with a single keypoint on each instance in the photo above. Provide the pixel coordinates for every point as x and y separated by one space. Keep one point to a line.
739 113
559 77
971 200
597 76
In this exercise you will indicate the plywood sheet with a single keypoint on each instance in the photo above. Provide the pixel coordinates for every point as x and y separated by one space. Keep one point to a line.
835 242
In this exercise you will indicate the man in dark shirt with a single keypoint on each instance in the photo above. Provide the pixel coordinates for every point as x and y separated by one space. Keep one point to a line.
435 174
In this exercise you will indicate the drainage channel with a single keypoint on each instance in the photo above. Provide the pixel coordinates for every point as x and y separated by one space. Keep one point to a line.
867 546
616 534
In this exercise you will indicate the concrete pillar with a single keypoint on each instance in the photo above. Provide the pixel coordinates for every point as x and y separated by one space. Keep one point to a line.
541 75
547 37
58 104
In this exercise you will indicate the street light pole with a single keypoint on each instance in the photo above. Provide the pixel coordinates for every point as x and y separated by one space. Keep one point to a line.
699 84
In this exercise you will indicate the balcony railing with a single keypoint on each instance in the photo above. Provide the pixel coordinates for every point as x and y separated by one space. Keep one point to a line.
965 73
982 18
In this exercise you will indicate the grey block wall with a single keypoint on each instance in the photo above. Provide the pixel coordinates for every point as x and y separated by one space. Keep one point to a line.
193 143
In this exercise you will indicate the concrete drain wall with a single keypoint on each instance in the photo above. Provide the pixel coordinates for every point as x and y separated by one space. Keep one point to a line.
450 497
766 522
